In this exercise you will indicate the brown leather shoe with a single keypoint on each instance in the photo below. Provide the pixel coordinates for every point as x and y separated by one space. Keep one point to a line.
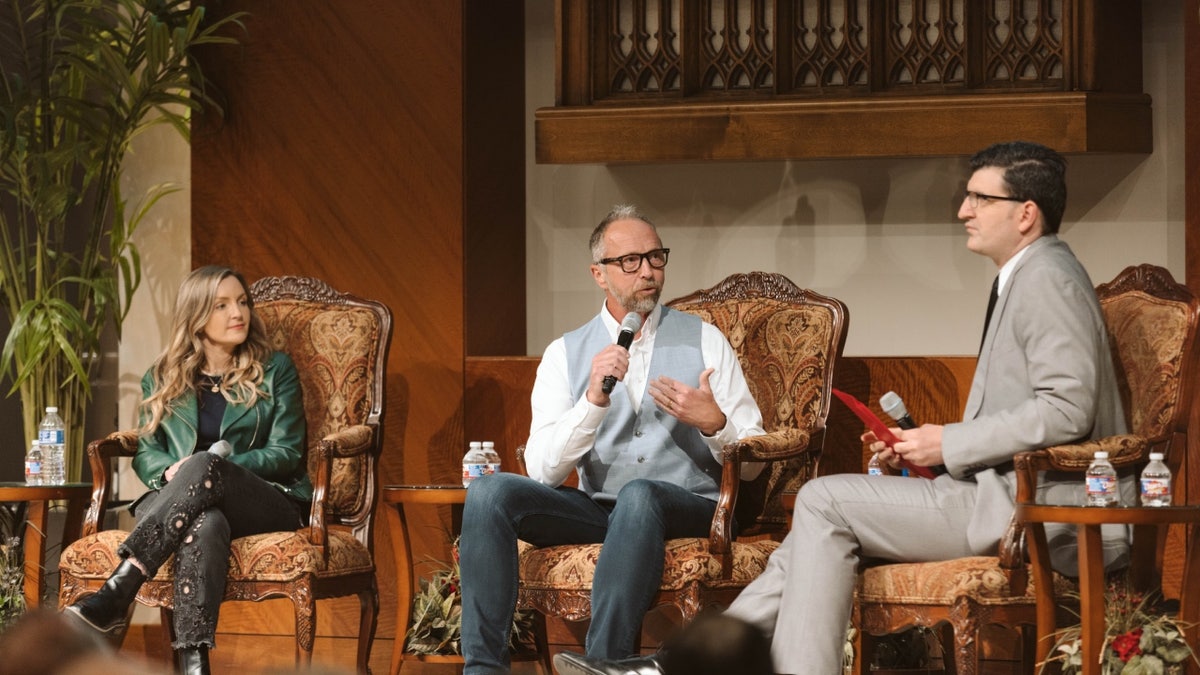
568 663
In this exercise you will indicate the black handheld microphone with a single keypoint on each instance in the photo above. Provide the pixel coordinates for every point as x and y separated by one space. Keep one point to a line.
894 407
629 325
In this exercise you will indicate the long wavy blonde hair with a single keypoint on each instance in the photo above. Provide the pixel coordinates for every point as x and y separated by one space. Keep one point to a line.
177 368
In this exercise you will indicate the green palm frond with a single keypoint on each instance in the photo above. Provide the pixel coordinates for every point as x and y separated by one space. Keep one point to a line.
79 80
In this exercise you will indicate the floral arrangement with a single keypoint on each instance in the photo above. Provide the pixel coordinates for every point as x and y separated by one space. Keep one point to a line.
437 614
1141 638
12 581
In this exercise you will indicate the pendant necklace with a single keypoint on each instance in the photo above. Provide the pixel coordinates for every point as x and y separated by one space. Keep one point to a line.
213 382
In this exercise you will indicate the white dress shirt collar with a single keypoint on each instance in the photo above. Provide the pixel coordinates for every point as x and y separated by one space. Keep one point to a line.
1007 269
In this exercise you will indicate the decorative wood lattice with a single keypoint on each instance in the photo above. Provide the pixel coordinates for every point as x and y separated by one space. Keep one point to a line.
673 48
687 80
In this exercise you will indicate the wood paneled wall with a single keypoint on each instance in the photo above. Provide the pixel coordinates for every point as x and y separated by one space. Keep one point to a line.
378 145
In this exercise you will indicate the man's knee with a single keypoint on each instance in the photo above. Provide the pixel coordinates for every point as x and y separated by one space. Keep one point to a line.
496 493
642 494
818 493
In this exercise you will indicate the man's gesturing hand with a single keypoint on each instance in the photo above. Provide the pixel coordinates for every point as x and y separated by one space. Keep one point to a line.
690 405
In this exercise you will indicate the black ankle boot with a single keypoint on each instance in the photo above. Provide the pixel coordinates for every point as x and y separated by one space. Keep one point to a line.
193 660
107 610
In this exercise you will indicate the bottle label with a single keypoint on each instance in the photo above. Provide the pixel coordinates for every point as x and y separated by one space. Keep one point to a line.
1156 487
51 437
474 470
874 471
1101 486
33 468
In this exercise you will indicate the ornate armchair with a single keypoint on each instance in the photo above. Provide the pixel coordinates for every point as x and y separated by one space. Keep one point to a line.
1151 322
788 341
339 344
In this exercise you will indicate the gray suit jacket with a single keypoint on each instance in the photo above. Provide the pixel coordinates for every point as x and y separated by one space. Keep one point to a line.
1045 377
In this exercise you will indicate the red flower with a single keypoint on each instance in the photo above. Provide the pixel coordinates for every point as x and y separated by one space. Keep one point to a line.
1126 646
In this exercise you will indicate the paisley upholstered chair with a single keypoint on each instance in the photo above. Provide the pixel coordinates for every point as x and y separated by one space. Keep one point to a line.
339 344
788 341
1151 322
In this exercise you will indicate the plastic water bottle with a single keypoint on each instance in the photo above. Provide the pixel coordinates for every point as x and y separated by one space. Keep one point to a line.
474 463
493 458
874 466
33 464
52 438
1102 482
1156 482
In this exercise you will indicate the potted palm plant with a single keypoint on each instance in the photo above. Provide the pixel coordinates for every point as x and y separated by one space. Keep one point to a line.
79 79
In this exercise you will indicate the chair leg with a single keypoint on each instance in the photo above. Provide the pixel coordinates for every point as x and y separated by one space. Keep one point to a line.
966 647
368 601
306 623
949 649
1028 648
542 643
166 617
864 648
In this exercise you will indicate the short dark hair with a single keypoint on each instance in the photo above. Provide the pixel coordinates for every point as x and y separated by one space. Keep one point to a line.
1032 172
620 212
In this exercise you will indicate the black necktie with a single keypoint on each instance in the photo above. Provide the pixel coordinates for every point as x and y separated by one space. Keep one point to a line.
987 319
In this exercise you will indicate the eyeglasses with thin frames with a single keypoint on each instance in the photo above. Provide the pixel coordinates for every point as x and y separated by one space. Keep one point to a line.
975 198
633 262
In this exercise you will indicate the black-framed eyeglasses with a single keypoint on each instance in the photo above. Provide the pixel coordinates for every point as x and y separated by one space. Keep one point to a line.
633 262
974 198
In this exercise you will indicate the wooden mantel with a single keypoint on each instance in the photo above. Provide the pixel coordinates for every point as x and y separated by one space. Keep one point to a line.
923 126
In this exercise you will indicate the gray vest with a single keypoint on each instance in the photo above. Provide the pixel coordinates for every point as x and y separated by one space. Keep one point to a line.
650 444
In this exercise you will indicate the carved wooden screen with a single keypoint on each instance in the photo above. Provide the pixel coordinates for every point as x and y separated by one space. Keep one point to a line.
656 50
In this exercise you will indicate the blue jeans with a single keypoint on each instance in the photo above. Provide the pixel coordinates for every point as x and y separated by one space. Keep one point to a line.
505 507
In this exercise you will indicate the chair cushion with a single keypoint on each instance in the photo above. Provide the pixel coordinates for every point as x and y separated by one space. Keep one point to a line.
272 556
687 560
978 578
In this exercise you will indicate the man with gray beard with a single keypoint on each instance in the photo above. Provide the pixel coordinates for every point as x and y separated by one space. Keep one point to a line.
646 446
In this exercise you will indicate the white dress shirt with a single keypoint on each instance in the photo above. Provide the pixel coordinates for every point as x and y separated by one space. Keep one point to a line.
563 430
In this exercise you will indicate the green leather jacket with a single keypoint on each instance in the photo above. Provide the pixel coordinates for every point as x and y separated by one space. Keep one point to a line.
268 438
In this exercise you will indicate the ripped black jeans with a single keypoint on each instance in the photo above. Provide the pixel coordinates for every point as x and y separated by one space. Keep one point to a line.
209 503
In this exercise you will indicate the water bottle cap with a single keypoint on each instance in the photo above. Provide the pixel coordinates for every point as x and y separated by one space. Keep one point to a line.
36 442
51 408
1100 454
475 444
1156 457
489 444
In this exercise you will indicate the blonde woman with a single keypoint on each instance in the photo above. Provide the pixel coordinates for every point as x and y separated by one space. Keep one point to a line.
222 450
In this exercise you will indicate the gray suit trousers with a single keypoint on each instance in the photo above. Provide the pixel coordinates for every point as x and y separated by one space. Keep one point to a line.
803 598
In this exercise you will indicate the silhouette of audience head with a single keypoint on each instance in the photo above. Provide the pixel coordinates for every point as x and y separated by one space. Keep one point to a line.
716 644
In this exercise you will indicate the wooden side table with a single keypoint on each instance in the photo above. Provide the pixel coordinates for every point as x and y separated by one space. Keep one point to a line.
37 497
398 496
1091 566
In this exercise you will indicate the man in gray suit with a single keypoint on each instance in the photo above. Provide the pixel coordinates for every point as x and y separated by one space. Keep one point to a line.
1044 377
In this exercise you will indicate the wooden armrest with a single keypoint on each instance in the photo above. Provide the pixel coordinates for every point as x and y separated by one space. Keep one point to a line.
101 454
775 446
352 441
